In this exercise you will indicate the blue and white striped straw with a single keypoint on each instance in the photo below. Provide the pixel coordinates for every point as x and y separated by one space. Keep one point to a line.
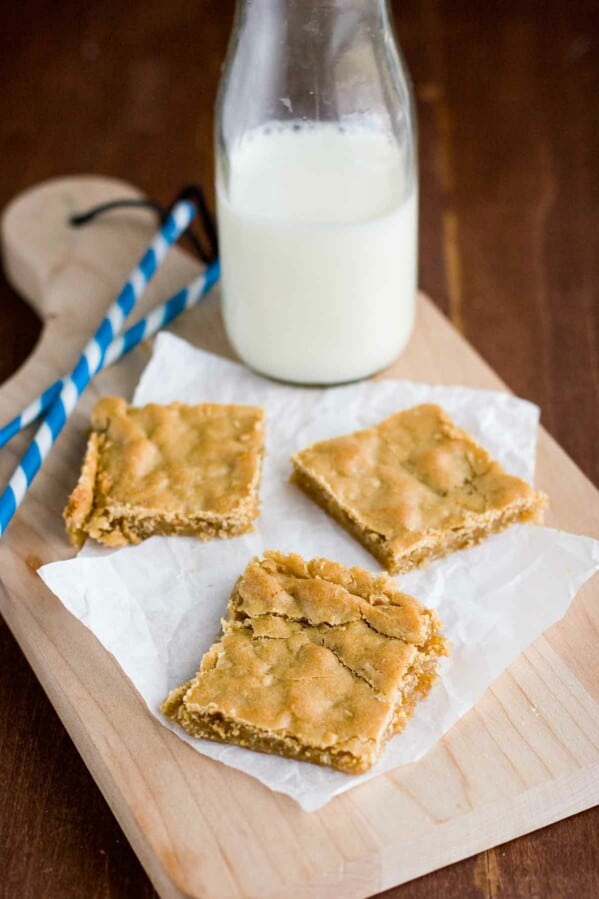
120 346
91 360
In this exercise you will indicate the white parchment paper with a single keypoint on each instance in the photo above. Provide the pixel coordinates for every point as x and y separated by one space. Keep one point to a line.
157 607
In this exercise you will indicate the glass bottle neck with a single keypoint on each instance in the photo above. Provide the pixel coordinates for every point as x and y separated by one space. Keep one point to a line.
310 22
296 63
328 58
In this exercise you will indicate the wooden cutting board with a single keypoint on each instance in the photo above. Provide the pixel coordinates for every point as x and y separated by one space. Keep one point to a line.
527 755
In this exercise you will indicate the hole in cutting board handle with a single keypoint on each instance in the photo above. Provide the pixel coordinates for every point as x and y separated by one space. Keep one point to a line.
192 192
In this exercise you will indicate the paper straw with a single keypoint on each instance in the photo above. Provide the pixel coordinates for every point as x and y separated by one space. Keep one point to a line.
91 360
120 346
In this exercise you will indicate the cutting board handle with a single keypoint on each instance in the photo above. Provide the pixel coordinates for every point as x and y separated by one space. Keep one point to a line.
40 247
70 275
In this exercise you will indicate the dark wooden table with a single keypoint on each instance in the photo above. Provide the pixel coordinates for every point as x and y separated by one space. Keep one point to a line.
509 148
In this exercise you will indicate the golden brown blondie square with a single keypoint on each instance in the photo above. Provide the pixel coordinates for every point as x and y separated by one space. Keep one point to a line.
414 487
316 662
173 469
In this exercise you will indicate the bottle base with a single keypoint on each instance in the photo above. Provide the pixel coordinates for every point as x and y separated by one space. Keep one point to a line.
320 384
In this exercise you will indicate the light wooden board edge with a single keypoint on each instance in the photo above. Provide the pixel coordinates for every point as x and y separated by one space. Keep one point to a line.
467 835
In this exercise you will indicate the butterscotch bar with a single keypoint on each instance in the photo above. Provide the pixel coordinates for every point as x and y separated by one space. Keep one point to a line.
316 662
414 487
173 469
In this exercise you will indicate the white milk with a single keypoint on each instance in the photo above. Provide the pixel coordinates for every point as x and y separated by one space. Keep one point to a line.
318 248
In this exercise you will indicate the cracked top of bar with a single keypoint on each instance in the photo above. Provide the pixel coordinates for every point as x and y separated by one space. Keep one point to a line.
316 661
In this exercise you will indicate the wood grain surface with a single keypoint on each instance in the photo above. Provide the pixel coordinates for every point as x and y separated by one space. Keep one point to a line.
507 103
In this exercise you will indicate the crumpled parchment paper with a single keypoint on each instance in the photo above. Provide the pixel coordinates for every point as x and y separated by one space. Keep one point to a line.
157 606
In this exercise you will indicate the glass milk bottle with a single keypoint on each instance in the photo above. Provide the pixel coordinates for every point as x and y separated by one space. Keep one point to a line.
316 189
